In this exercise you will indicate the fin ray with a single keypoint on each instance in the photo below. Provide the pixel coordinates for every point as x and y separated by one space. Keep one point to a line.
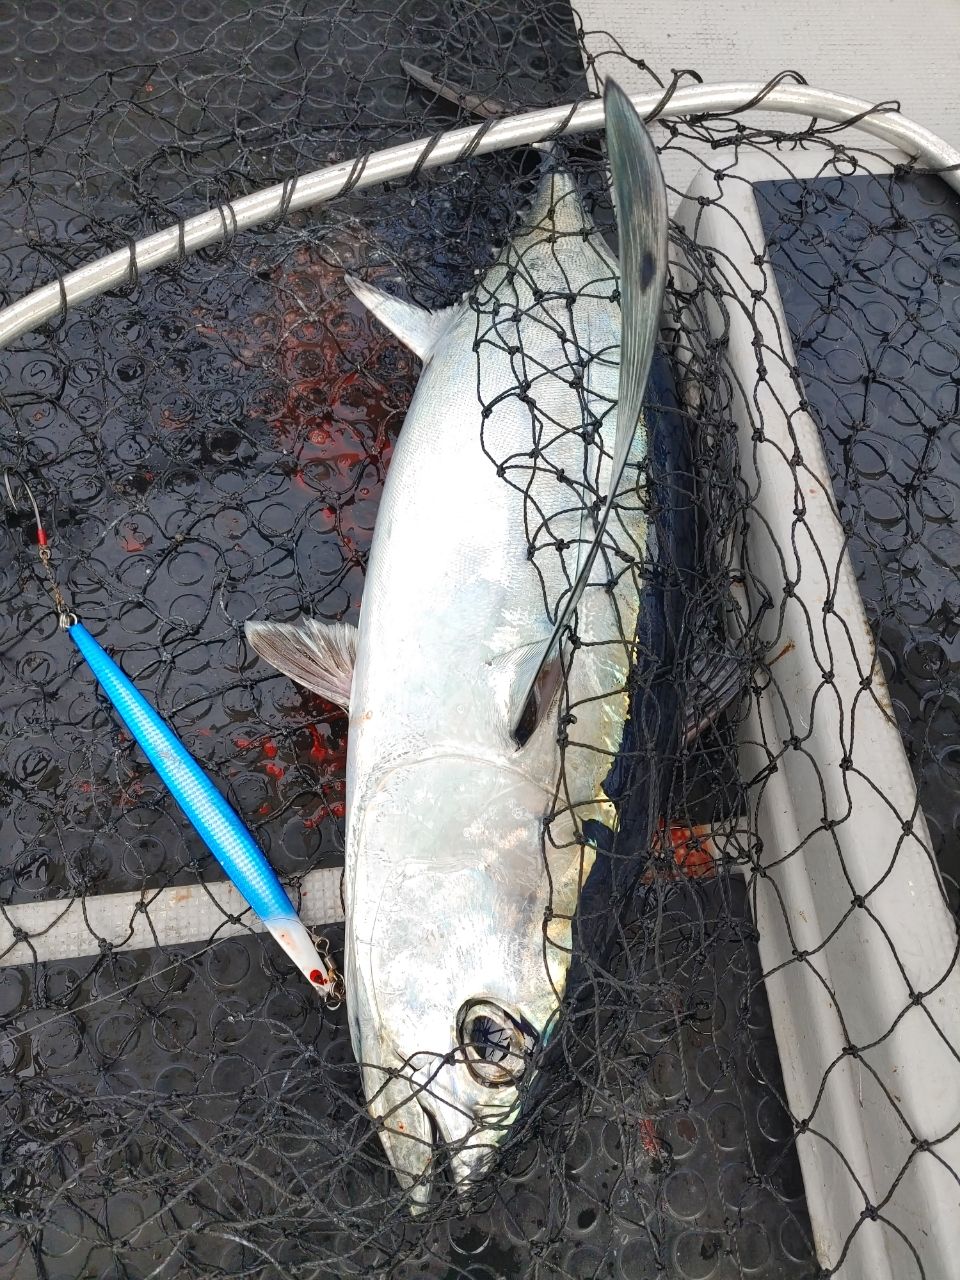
318 655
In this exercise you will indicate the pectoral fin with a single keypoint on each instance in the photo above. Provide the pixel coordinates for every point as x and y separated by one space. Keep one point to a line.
318 655
528 703
641 201
416 327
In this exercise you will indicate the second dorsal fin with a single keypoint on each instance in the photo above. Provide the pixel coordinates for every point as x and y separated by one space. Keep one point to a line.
416 327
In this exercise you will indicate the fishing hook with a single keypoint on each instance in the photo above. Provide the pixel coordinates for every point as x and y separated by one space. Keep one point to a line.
65 616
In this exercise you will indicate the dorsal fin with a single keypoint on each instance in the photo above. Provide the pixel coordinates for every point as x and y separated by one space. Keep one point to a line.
318 655
416 327
478 104
641 201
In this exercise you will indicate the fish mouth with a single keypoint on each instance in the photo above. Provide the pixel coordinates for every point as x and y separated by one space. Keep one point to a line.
418 1126
407 1131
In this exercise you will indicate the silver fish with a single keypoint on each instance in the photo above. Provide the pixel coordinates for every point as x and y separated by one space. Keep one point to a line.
465 852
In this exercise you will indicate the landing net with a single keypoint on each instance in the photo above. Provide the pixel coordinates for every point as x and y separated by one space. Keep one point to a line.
209 444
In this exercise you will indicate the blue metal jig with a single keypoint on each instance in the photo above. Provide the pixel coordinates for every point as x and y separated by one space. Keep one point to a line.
215 821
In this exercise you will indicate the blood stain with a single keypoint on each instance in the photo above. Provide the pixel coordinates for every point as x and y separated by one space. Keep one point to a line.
648 1137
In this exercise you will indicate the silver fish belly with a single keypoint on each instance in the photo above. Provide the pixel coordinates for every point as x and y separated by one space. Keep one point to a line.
468 782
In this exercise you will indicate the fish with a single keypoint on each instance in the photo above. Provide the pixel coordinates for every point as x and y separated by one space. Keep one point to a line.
487 681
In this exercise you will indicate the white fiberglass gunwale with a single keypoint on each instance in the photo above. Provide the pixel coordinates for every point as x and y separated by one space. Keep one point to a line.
852 918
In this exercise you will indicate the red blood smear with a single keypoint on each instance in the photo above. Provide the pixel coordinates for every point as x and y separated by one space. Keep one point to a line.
317 977
343 387
318 751
648 1137
167 419
132 544
267 745
680 852
275 770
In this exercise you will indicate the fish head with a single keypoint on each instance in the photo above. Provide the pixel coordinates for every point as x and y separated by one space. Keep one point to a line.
459 945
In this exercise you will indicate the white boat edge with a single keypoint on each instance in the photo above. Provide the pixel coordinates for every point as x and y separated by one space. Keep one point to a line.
860 1111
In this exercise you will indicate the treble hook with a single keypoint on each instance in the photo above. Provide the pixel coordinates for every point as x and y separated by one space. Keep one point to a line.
65 616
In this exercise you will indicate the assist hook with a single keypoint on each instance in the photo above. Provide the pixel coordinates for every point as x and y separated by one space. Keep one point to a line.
65 616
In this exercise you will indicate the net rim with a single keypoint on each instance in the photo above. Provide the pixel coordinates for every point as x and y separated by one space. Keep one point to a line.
219 224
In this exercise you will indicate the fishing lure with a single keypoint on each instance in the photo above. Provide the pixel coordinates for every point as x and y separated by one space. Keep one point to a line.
215 821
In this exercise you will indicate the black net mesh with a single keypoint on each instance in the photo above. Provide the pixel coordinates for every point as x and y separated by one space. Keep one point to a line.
209 444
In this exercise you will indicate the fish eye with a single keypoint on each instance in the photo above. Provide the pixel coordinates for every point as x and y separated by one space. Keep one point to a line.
497 1046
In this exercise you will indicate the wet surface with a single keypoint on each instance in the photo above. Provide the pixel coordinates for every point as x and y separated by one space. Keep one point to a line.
210 446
